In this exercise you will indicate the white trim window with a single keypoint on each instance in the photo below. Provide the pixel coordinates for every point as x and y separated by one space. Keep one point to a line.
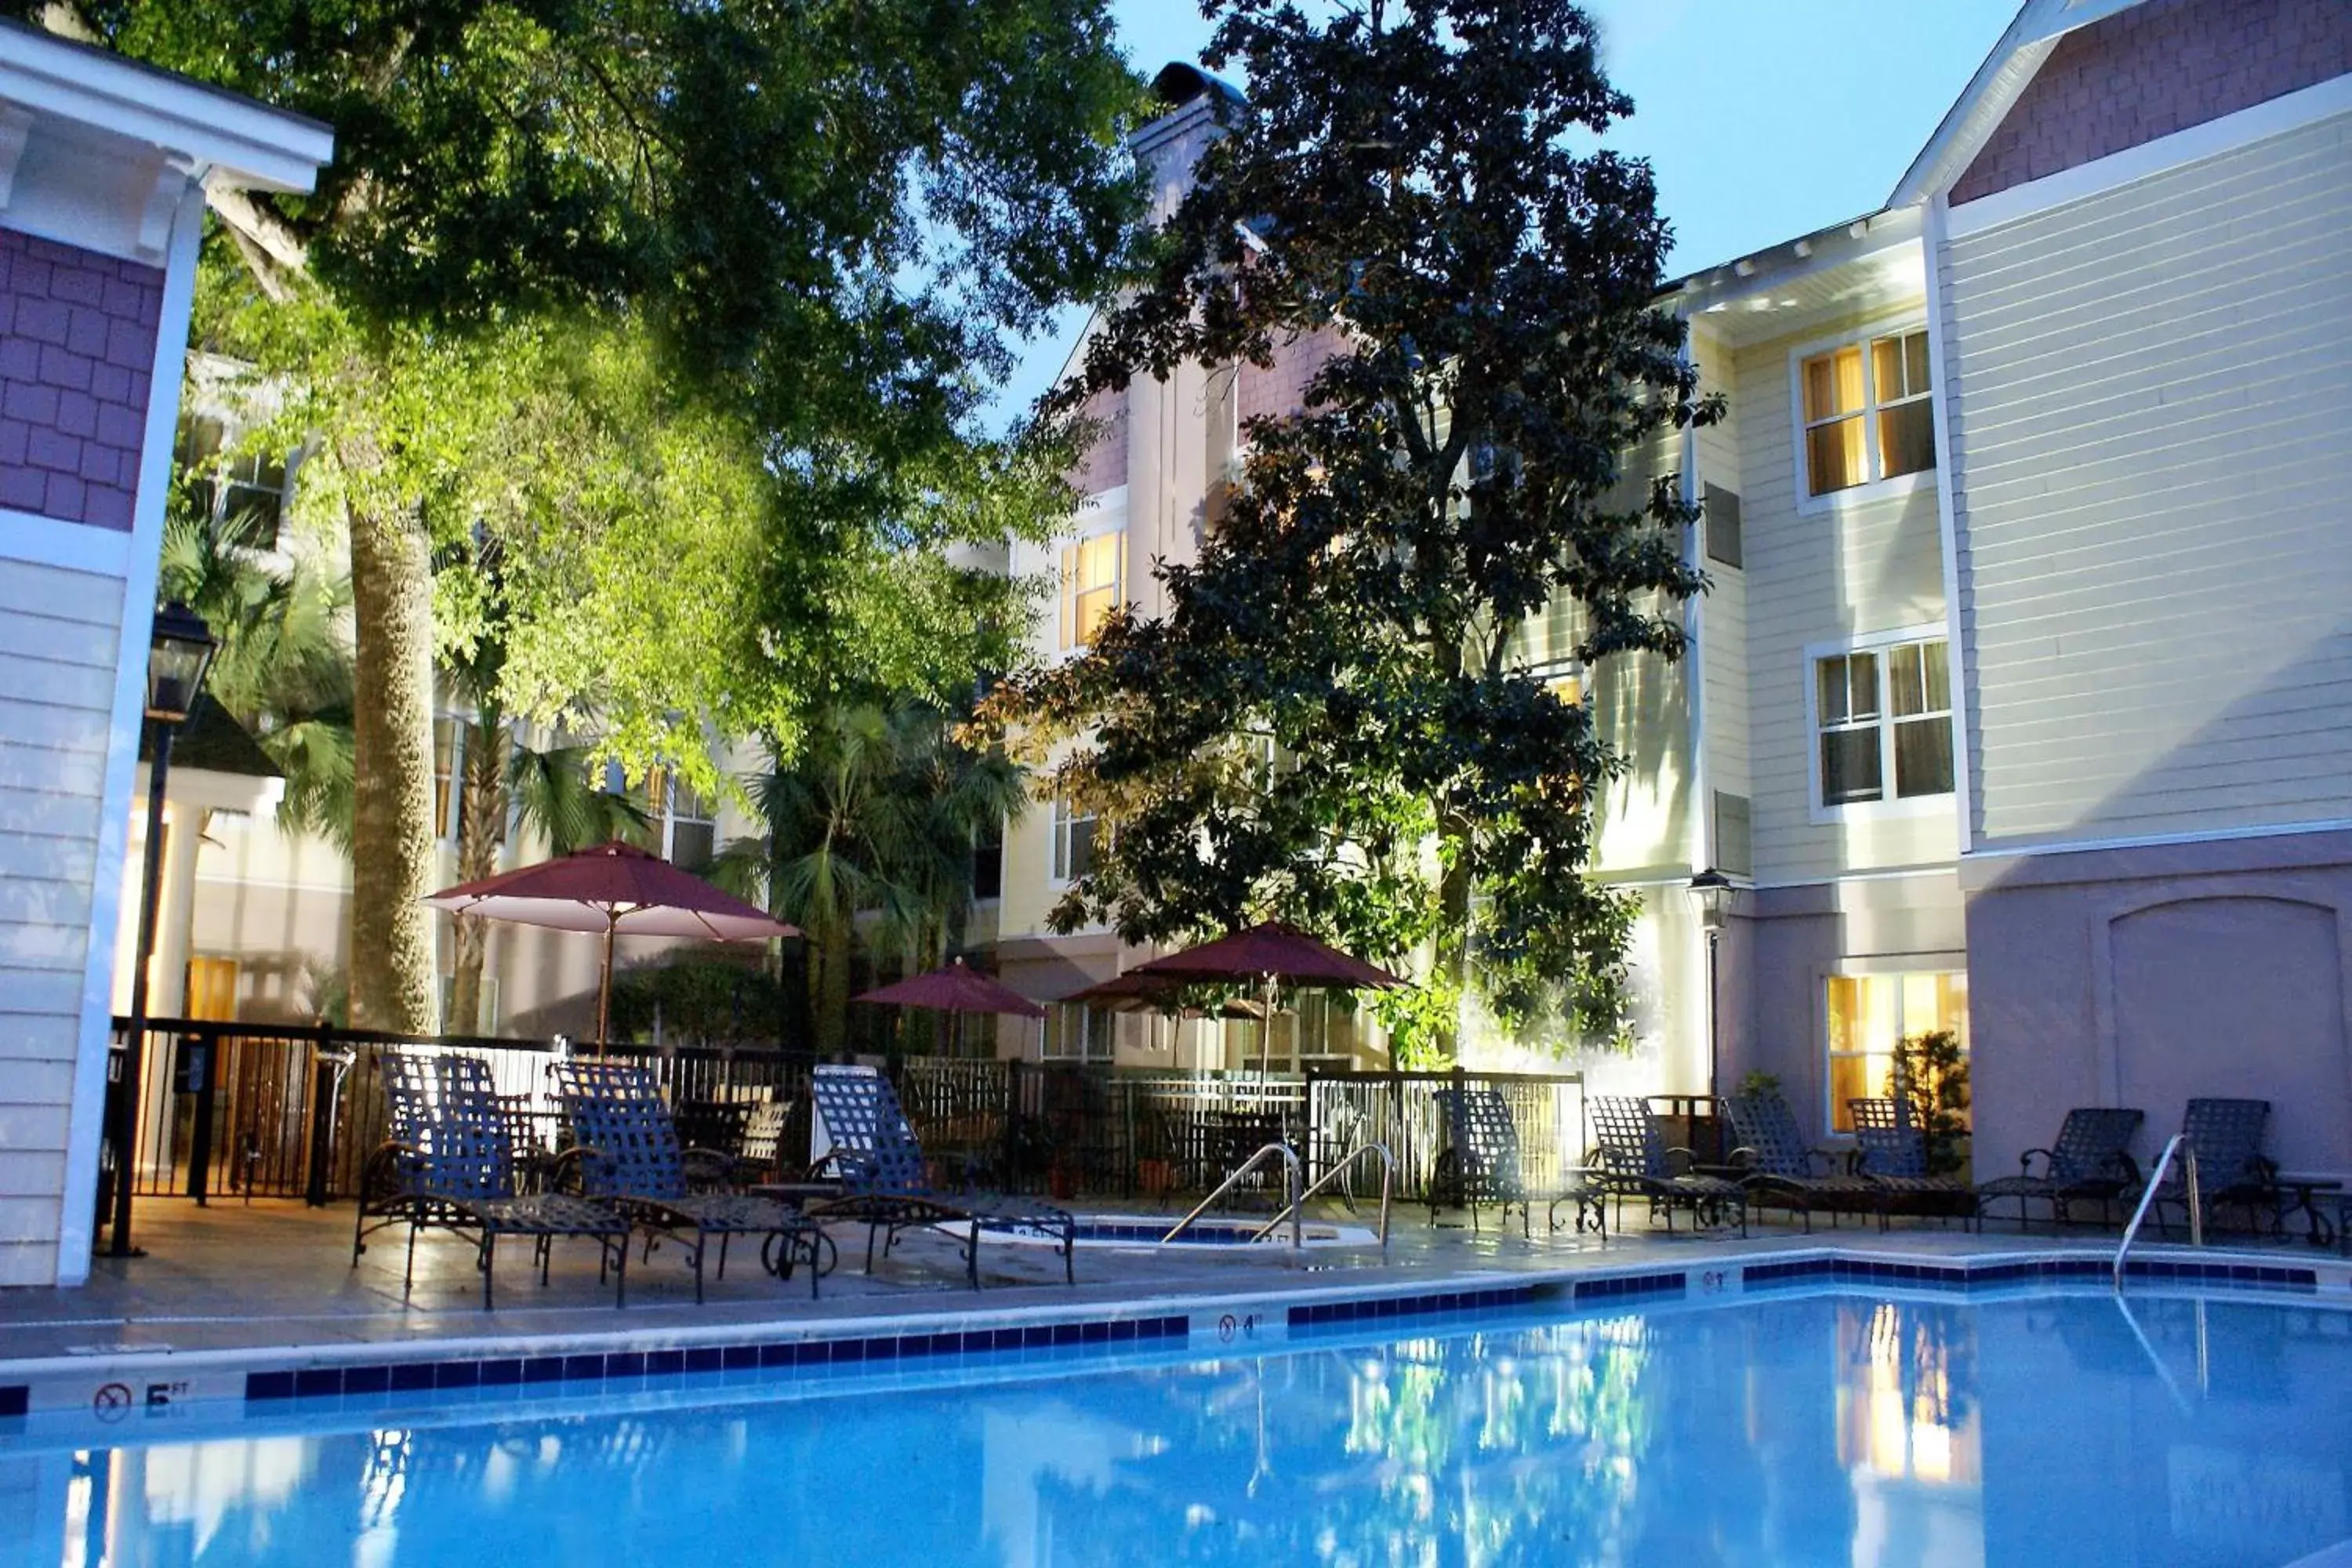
1869 1014
1881 715
448 757
688 822
1074 840
1864 413
1078 1032
1093 569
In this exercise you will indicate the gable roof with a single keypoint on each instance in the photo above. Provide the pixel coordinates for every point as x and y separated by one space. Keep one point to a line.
1994 91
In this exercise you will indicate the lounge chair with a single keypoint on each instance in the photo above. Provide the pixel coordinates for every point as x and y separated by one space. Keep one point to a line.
887 1184
1784 1172
1481 1164
1631 1158
1893 1154
2227 1137
627 1153
2090 1160
450 1165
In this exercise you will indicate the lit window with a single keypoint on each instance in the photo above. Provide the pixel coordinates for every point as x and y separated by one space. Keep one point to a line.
1090 580
1074 840
1075 1032
1884 714
1867 414
1869 1014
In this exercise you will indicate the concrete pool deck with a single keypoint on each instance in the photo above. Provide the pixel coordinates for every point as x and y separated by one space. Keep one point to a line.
234 1290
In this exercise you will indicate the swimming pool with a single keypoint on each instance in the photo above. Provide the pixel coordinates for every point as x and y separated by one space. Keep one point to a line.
1798 1428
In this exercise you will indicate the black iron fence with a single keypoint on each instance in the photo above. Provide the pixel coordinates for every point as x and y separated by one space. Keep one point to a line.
254 1110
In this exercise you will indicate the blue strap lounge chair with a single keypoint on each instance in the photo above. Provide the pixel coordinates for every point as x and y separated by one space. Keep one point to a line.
1893 1153
1631 1158
1482 1164
2230 1168
450 1165
2090 1162
627 1153
885 1181
1784 1172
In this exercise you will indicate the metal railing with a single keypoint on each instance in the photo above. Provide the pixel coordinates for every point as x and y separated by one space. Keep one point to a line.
2181 1146
1299 1205
294 1111
1290 1188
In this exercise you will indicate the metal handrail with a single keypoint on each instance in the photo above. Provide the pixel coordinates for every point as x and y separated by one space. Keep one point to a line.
1290 1187
2181 1146
1388 1180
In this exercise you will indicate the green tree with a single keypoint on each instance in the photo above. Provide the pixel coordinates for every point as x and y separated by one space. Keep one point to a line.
284 666
868 841
1333 720
819 218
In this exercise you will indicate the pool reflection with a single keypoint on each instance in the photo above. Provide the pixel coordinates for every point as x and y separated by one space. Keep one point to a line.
1784 1431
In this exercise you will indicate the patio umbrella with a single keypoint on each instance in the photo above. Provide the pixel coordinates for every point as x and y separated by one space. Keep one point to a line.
619 890
955 988
1273 954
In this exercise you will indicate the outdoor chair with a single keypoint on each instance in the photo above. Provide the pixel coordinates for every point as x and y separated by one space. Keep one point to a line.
886 1182
1893 1154
627 1153
1784 1172
449 1165
762 1155
2230 1169
1631 1158
2090 1162
1481 1163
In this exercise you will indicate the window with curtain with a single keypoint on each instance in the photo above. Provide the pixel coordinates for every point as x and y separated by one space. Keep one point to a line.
1091 570
690 824
1869 1014
1883 720
1866 411
1074 840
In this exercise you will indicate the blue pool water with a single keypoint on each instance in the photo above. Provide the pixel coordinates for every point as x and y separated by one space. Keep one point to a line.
1779 1430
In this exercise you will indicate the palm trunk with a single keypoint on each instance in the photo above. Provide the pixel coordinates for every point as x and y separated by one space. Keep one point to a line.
393 968
833 986
481 812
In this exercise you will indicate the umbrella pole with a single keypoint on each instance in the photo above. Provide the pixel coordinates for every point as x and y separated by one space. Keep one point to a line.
604 988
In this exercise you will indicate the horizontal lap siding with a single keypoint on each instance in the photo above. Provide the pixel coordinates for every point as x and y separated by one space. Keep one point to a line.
58 638
1814 577
2154 468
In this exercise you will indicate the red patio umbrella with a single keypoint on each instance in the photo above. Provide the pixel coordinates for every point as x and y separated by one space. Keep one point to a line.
618 889
954 988
1273 954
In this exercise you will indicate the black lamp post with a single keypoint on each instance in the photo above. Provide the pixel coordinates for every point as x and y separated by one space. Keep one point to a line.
1710 893
178 653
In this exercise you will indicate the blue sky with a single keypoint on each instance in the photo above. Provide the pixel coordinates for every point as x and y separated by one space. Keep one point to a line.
1764 119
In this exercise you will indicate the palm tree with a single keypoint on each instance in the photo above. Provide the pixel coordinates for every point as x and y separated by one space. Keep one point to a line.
869 837
284 668
551 790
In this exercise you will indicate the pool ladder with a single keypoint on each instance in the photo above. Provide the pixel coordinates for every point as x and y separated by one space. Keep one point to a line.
2181 1146
1346 1162
1290 1175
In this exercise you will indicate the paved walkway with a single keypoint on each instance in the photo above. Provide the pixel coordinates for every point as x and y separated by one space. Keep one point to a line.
276 1275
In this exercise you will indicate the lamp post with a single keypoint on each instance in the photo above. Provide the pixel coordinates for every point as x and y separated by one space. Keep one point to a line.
179 651
1710 893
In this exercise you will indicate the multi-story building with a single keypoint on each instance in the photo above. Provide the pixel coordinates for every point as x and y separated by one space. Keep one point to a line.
2019 704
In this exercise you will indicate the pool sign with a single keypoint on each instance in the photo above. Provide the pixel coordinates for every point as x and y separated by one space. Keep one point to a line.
1241 1327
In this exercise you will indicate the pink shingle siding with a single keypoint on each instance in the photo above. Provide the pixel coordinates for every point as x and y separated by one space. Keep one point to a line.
2155 70
1104 466
1281 388
77 353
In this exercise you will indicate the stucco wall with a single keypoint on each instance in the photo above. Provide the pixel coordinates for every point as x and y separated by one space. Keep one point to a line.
2143 977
